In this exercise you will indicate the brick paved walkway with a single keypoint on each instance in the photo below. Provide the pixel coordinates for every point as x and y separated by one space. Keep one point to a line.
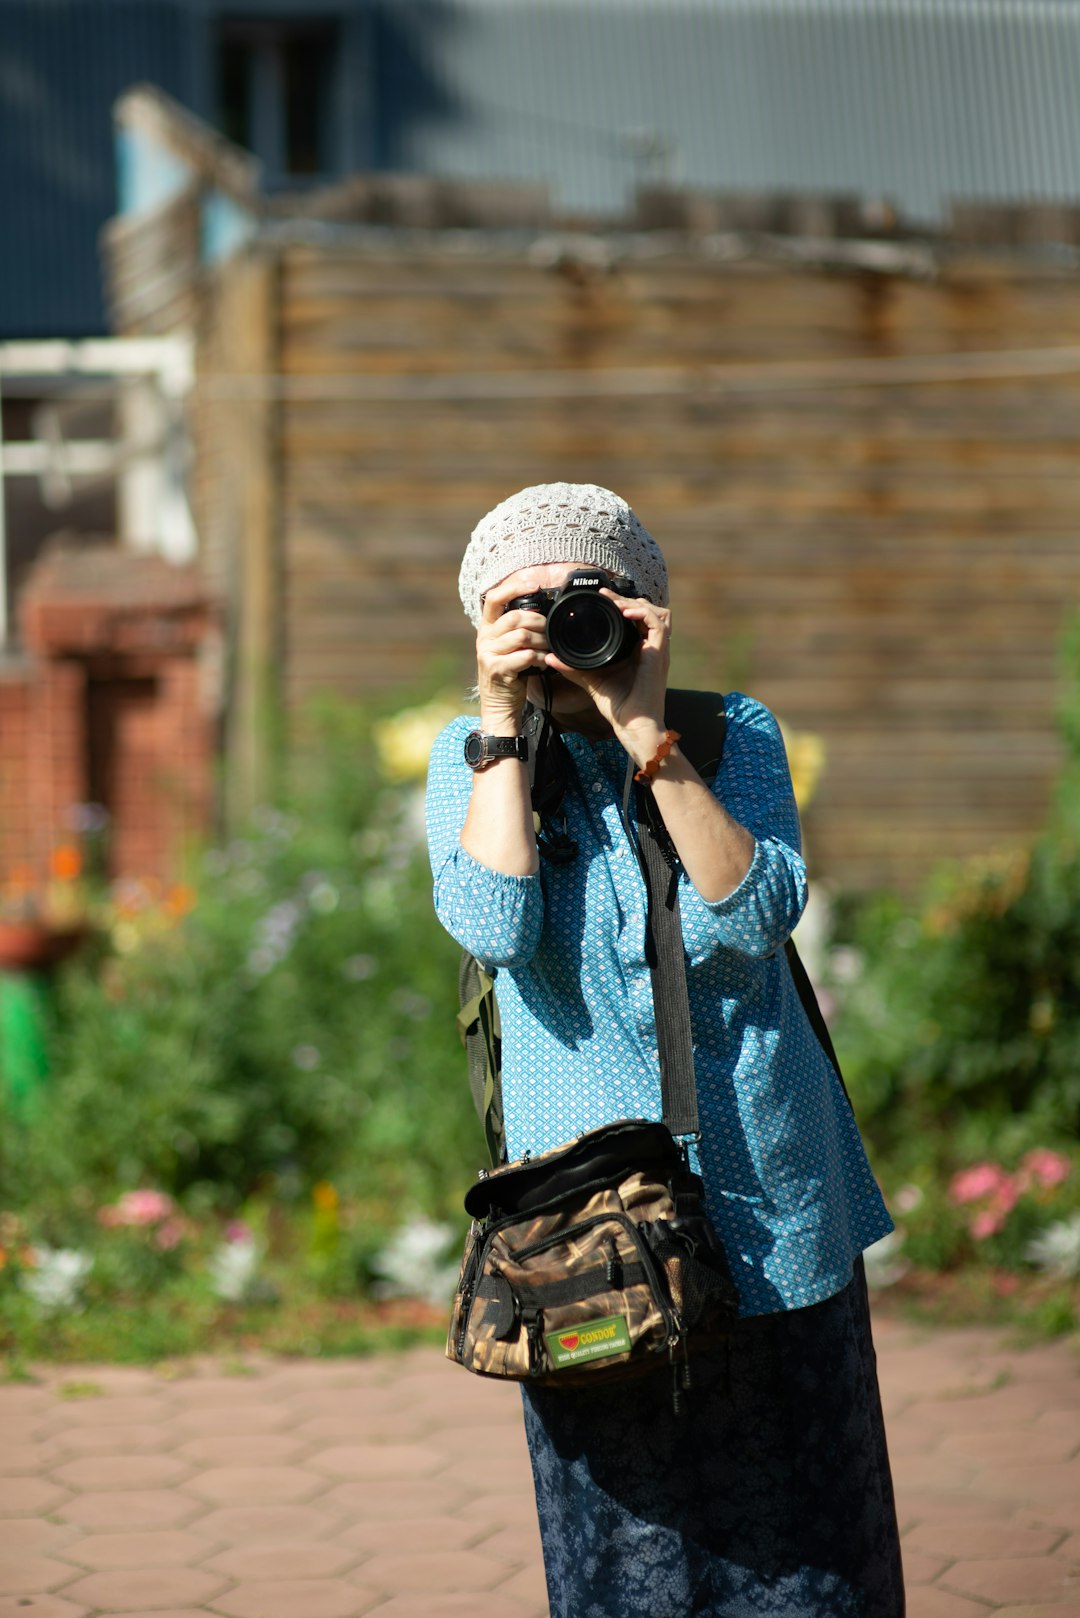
399 1488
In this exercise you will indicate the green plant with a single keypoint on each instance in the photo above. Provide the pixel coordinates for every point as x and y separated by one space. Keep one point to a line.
290 1022
959 1016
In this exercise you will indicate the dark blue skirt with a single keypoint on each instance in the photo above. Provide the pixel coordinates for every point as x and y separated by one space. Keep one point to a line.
769 1497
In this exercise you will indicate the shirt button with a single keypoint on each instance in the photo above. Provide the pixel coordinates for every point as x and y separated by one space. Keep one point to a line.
598 786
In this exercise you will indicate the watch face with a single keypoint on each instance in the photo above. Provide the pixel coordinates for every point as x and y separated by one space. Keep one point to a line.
474 749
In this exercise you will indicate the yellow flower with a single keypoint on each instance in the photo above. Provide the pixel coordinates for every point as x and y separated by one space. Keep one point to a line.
806 760
403 742
324 1196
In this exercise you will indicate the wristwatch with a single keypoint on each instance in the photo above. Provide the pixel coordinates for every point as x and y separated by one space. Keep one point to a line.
481 750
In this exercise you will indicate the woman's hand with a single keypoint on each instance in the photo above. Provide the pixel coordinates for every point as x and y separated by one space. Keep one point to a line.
630 694
509 647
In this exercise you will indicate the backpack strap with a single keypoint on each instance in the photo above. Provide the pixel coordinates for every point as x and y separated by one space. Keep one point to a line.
480 1029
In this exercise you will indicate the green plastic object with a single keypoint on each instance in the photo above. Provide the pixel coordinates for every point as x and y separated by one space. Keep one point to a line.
24 1051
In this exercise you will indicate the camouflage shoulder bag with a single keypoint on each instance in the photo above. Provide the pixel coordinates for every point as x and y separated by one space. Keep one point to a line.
597 1260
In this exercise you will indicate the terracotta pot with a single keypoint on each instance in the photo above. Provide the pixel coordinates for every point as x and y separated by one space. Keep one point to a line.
32 946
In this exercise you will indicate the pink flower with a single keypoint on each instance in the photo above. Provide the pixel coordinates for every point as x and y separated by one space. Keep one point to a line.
1005 1197
986 1223
138 1208
237 1230
982 1180
169 1234
1044 1168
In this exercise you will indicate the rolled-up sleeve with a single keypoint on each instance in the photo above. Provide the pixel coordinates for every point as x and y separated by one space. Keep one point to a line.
754 786
498 918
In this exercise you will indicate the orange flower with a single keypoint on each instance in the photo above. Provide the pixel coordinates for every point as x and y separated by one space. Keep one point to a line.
324 1196
65 863
180 899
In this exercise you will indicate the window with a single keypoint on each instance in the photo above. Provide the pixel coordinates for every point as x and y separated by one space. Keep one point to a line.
275 84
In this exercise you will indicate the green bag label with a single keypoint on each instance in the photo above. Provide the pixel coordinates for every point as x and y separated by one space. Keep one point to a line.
591 1340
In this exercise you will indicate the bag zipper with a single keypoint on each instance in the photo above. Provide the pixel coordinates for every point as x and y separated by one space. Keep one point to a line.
672 1322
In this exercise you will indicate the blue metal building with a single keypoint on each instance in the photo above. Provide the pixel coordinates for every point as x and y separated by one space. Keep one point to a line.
916 102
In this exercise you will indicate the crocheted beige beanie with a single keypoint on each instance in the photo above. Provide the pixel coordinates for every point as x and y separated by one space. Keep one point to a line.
560 522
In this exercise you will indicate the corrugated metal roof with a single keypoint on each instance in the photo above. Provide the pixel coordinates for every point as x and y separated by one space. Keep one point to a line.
917 101
913 101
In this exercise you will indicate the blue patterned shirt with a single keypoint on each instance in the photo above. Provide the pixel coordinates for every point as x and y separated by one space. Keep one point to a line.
787 1182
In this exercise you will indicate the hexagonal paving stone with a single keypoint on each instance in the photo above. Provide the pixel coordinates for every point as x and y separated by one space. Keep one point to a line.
528 1585
29 1575
973 1540
404 1534
261 1418
33 1535
440 1571
218 1392
18 1401
242 1449
129 1438
378 1461
25 1458
1045 1484
1010 1445
299 1559
146 1587
22 1497
40 1607
118 1511
295 1598
158 1612
392 1498
106 1412
98 1472
521 1545
327 1432
1026 1578
496 1604
148 1549
259 1485
253 1525
1045 1609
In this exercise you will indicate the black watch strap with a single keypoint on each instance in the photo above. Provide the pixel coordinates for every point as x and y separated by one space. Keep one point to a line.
481 750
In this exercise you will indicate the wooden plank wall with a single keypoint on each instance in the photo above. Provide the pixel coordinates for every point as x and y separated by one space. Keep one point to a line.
867 524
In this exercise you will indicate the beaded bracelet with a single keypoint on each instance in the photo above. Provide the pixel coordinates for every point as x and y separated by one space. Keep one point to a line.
647 771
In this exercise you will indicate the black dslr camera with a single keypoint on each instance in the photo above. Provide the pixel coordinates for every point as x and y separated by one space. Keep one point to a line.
584 629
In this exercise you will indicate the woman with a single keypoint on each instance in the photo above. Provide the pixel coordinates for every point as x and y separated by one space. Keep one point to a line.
773 1496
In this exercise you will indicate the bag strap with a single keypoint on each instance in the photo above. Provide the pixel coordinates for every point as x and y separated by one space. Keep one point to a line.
699 717
667 968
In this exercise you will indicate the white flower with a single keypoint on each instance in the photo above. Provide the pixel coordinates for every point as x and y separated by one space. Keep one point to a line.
413 1264
884 1264
359 967
1057 1249
323 898
57 1277
233 1267
908 1198
845 964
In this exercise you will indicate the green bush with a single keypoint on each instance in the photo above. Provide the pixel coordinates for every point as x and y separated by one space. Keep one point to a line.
958 1018
963 1021
294 1026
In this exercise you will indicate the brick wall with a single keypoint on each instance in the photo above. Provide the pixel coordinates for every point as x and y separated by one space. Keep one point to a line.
16 812
109 706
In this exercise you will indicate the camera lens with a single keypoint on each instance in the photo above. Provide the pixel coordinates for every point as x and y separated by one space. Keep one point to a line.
587 631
